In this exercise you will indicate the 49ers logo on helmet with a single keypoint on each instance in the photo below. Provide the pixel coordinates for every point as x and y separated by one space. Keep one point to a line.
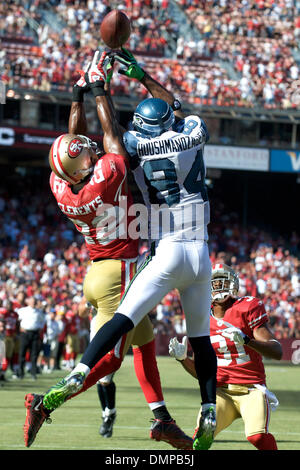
75 147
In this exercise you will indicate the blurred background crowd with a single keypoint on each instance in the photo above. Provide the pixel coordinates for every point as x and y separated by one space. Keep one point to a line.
241 52
44 257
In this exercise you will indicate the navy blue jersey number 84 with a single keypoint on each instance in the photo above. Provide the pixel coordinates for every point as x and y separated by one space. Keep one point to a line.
160 176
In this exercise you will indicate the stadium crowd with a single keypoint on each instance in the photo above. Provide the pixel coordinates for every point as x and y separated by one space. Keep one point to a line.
260 39
257 40
44 257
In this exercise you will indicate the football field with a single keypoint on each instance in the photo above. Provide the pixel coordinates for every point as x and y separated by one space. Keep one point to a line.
75 425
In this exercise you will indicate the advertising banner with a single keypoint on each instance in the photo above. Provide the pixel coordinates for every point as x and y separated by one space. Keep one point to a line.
287 161
20 137
236 158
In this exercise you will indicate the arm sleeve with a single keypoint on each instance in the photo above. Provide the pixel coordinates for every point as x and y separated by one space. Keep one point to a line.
256 315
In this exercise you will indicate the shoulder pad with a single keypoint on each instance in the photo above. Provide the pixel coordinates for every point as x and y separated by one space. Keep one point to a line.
192 125
131 141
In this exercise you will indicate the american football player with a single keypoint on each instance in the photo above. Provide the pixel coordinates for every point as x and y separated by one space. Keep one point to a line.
166 156
86 187
12 325
240 335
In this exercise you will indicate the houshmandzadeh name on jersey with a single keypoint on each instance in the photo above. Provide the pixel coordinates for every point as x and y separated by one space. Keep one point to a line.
165 146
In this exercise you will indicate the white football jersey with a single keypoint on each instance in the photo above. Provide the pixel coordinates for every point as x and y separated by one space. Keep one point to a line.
170 173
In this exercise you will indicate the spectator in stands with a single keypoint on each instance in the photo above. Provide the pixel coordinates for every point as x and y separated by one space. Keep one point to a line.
257 37
3 362
50 340
32 321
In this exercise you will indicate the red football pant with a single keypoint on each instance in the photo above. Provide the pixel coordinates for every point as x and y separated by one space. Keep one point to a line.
145 368
263 441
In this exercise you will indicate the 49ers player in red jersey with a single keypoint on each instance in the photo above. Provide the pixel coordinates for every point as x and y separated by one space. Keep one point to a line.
89 190
12 325
240 335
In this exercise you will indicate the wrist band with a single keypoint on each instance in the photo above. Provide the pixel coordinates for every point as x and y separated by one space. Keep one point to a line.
98 91
246 339
176 105
77 95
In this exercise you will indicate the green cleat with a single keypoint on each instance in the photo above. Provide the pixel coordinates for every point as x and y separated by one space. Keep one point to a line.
204 436
59 393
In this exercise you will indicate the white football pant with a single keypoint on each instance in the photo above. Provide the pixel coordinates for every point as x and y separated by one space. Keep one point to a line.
183 265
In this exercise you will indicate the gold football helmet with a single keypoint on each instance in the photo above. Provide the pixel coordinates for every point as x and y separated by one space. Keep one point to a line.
224 282
72 157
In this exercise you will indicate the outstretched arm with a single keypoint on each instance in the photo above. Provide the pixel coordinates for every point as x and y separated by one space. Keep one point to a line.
77 117
112 135
157 90
133 70
98 78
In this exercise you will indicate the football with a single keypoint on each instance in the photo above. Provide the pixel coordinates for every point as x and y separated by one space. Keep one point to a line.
115 29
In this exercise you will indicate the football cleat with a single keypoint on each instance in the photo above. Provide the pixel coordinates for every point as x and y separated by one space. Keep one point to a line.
169 432
36 414
58 394
204 435
106 428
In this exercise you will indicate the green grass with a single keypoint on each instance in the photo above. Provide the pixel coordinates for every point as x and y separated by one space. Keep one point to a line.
75 425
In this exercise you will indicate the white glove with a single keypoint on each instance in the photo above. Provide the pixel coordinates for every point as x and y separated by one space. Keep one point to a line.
101 69
81 82
236 335
178 350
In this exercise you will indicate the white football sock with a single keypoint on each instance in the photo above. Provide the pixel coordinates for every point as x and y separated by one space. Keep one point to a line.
81 368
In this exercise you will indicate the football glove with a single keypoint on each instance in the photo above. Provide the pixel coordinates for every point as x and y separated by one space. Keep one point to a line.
178 350
131 67
81 87
236 335
99 73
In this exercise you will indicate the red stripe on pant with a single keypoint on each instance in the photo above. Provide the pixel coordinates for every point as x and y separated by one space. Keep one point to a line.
123 278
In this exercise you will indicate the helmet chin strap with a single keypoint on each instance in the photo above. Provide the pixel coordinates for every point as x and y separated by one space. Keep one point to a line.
85 175
220 296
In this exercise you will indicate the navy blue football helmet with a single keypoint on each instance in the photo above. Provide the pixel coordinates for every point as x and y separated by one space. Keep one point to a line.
153 116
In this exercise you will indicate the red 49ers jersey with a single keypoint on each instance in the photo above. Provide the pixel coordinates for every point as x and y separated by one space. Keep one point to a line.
238 364
74 322
11 321
100 209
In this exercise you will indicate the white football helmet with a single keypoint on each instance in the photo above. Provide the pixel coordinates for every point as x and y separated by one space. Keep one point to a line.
224 282
72 157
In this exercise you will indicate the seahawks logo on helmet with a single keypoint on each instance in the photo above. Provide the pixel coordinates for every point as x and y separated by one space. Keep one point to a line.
153 116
